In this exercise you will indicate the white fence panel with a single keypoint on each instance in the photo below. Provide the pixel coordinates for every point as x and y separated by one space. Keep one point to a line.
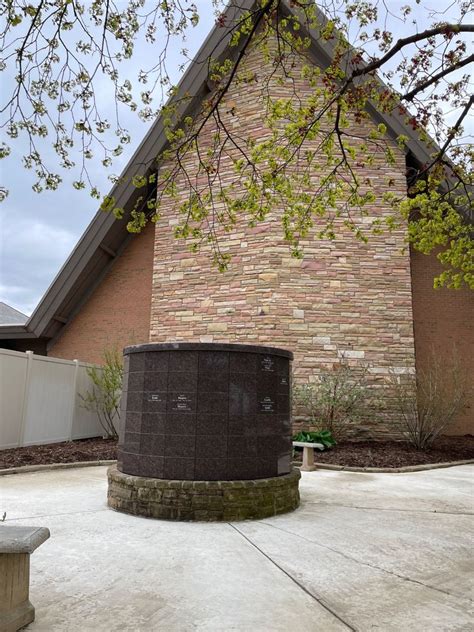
12 390
49 395
40 402
85 423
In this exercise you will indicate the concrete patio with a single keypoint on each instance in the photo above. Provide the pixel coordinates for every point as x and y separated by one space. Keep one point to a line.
389 552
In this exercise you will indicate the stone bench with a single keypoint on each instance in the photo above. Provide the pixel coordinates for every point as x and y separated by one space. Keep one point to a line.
16 546
308 454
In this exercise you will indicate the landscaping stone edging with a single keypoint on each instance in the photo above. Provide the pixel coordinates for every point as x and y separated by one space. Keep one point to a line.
388 470
25 469
225 501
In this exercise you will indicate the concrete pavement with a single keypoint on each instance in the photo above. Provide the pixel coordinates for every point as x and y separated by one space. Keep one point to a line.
386 552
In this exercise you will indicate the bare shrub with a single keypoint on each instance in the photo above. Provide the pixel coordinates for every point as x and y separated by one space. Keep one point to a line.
104 397
336 400
429 400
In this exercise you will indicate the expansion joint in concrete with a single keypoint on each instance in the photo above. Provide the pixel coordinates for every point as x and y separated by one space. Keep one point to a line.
316 598
367 564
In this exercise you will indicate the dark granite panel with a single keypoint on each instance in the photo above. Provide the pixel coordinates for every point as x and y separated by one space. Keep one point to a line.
267 382
184 361
213 361
283 366
242 468
267 364
213 403
267 468
155 381
210 469
241 446
283 404
284 383
243 382
273 446
181 402
135 381
123 403
152 422
243 362
269 425
242 394
284 424
134 422
156 361
126 364
178 469
136 362
211 424
242 425
267 404
152 444
119 460
154 401
208 445
132 441
130 463
284 464
180 424
179 445
134 402
152 466
183 381
213 382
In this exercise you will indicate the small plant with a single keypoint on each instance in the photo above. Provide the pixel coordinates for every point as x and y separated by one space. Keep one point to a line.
323 436
336 400
429 401
104 398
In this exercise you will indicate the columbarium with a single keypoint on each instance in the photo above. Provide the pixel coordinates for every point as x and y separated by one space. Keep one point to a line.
205 433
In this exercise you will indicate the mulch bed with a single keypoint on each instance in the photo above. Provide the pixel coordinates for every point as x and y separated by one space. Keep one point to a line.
97 449
397 453
349 454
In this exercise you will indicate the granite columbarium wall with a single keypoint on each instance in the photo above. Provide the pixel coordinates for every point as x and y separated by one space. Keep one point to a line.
206 433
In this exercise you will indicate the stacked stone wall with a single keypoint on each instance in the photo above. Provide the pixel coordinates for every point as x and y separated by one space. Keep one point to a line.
344 298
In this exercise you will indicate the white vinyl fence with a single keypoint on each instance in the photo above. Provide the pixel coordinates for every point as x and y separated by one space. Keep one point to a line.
39 400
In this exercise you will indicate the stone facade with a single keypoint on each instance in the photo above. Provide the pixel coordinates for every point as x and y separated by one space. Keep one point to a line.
203 500
343 298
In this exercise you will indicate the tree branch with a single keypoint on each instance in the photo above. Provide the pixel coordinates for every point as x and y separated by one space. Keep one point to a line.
426 84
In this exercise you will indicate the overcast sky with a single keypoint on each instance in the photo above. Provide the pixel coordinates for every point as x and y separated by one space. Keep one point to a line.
38 231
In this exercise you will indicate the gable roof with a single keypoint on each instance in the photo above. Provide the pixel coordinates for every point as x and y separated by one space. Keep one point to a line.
9 315
106 237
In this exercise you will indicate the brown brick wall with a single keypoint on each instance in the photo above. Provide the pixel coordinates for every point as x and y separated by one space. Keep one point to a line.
344 296
118 311
443 321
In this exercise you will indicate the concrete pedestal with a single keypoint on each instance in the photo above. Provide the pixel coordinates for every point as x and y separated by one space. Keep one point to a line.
16 545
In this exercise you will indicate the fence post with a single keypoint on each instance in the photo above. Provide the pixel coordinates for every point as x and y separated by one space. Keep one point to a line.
73 402
24 407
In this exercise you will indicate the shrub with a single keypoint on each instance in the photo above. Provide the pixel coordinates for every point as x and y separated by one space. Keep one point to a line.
104 398
429 401
322 436
336 400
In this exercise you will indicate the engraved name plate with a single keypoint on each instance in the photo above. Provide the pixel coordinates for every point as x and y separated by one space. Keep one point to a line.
267 364
284 380
267 405
182 403
154 397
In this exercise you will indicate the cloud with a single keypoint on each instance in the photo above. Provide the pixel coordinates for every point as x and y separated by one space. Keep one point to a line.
31 254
